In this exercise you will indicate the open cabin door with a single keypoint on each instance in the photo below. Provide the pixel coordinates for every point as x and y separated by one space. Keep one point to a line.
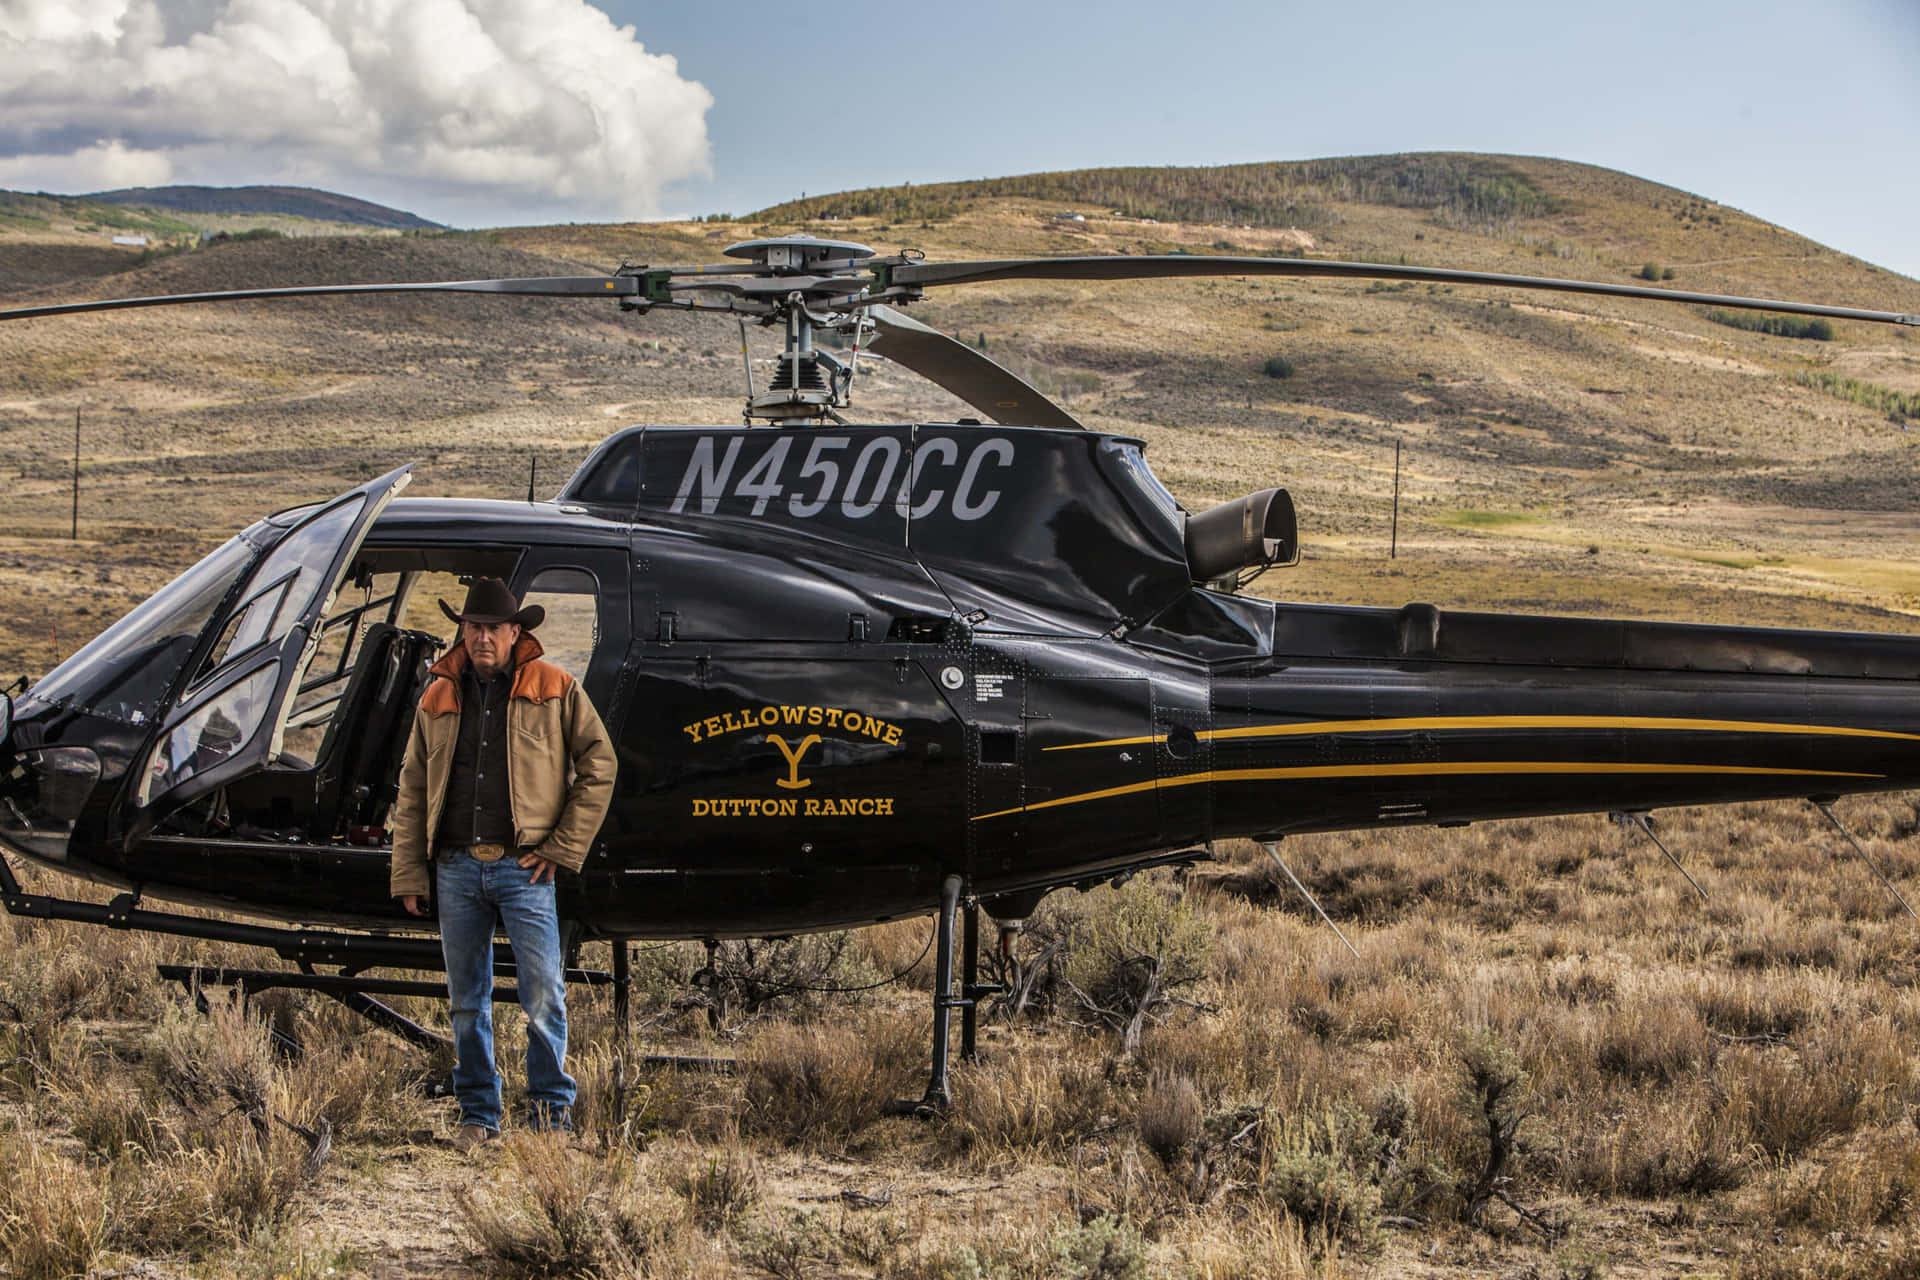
231 715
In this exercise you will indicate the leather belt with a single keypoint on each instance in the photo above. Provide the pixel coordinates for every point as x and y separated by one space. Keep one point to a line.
479 852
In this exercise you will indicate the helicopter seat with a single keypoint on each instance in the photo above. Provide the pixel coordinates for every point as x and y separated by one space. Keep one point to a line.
374 713
377 780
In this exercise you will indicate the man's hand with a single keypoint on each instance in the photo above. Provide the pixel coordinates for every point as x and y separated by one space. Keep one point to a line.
415 904
542 868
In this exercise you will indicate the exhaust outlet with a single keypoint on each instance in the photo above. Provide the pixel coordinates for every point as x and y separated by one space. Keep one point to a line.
1259 529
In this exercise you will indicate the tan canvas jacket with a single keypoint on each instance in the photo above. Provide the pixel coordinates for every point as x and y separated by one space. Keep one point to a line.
560 765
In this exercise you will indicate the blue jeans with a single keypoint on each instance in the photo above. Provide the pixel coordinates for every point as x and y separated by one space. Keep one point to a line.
475 898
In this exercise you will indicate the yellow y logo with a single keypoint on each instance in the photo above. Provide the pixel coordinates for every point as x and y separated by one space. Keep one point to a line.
793 781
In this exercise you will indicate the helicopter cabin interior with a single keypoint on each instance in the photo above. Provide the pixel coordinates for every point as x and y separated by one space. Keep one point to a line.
335 772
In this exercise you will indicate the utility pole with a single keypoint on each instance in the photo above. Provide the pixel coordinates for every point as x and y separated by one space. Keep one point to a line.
1393 551
76 474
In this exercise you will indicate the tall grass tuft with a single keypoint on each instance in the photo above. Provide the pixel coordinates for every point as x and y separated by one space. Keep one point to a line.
551 1211
1171 1117
206 1198
54 1214
809 1085
1873 1184
1025 1104
221 1058
1787 1105
718 1189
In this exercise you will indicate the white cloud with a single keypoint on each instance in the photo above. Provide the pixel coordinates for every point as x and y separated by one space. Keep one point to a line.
100 167
465 110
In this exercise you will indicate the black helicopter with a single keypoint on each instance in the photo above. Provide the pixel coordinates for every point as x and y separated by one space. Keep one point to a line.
860 672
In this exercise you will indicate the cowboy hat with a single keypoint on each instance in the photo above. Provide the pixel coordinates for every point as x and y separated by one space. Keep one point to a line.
489 602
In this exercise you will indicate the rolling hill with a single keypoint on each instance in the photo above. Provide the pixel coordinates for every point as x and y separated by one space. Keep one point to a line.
1560 454
298 202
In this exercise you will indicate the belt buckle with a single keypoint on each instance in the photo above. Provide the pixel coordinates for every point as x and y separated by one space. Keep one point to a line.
487 852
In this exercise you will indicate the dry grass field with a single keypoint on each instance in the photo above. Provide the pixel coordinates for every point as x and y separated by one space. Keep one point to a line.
1550 1057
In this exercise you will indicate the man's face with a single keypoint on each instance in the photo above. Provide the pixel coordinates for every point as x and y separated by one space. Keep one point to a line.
490 645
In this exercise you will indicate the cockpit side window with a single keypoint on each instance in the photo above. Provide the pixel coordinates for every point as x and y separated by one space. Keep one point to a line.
284 585
214 733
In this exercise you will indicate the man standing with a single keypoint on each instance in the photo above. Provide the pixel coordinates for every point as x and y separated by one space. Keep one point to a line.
507 776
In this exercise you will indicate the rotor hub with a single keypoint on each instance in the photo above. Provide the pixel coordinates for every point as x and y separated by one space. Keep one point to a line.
794 255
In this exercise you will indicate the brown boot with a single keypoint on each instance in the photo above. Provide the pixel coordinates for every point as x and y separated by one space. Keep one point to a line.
474 1135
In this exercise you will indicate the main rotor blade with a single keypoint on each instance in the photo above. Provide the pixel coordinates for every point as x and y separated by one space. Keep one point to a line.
957 367
1143 267
537 286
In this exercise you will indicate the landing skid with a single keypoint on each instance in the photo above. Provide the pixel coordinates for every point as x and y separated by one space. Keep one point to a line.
356 992
352 954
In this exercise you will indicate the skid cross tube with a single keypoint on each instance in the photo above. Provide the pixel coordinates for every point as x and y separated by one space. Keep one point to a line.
388 1019
263 979
349 991
356 992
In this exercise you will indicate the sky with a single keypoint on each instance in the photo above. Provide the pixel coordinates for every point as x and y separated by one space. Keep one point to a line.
495 112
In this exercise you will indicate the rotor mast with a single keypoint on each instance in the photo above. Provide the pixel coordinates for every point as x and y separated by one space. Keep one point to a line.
822 287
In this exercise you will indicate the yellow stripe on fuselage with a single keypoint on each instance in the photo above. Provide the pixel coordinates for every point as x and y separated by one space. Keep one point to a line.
1428 769
1414 723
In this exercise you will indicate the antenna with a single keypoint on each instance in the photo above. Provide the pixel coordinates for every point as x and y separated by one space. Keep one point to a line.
1274 853
1825 805
1640 821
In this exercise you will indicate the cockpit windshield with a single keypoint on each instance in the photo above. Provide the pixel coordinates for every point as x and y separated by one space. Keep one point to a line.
126 670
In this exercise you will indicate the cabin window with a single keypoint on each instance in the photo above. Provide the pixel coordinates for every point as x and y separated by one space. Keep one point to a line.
421 609
571 630
324 683
388 589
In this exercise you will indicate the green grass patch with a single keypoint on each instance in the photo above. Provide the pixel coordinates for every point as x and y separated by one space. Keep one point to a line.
1485 519
1725 562
1815 328
1871 394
